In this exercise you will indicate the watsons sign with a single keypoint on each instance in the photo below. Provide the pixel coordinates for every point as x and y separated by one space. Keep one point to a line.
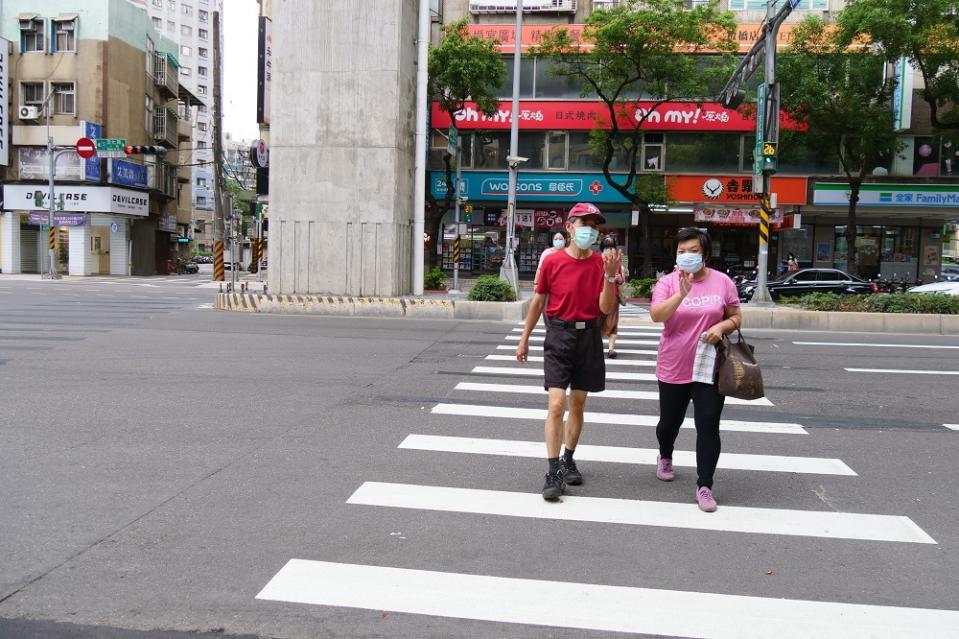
531 187
77 199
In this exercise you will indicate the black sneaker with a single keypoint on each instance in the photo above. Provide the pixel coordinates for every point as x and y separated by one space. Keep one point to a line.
569 472
554 487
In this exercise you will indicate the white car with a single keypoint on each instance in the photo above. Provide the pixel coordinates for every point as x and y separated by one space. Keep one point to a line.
943 288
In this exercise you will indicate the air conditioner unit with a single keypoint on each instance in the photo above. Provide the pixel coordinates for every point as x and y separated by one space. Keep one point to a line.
29 112
67 25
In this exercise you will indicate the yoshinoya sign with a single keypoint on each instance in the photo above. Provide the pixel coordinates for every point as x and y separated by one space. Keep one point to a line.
530 187
732 189
78 199
549 115
890 195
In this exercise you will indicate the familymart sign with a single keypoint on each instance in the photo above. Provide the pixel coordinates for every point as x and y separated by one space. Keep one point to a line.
890 195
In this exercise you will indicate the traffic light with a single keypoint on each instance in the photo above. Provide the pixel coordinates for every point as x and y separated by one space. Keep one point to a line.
158 151
769 164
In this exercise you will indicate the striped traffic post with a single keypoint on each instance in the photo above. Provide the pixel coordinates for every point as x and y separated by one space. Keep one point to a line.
219 272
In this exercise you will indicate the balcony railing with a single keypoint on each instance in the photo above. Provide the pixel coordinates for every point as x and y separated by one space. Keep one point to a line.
167 74
509 6
165 127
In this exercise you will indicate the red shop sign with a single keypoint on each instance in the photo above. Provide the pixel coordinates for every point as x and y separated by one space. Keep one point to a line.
548 115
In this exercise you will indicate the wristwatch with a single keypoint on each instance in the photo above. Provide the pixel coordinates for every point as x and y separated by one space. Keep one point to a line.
611 279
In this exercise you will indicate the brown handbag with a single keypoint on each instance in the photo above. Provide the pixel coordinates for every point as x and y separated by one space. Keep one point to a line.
737 372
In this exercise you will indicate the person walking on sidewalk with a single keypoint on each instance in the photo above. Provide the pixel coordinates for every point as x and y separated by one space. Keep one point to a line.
608 247
698 306
580 286
560 242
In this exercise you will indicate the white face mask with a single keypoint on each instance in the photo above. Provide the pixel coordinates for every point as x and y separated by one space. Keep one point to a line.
585 237
689 262
559 243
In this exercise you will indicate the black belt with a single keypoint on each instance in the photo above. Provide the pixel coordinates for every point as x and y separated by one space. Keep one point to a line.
579 326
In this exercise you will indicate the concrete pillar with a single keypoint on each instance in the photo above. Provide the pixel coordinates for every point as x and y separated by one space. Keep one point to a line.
342 135
80 255
119 248
10 242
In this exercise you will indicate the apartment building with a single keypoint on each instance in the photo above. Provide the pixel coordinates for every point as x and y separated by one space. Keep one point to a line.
703 152
94 69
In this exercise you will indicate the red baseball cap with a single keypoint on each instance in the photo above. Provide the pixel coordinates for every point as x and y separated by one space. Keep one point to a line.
585 209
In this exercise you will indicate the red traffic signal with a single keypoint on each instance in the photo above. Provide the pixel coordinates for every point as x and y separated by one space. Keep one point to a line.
159 151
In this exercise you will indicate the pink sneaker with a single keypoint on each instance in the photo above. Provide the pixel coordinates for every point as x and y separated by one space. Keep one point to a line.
707 503
664 468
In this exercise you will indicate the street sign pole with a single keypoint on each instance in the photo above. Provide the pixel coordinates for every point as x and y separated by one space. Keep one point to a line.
455 147
508 271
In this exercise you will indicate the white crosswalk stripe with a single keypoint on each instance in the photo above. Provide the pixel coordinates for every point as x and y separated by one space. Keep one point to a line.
764 521
621 351
609 362
897 371
621 455
621 340
621 333
608 393
538 372
623 419
596 607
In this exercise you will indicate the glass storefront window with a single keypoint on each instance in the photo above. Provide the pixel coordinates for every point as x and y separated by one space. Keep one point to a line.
556 150
581 153
492 149
527 67
702 152
550 85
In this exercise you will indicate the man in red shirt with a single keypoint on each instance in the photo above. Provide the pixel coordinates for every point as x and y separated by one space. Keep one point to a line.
580 286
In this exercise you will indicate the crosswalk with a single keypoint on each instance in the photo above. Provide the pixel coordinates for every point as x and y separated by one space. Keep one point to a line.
496 394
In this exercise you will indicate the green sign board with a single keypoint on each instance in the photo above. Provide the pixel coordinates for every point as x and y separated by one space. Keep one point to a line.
110 147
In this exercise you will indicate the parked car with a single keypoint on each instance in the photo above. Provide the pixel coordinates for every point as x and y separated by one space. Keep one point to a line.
810 280
942 288
949 273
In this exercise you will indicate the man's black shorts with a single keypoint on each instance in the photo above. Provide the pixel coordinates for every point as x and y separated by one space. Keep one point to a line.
574 358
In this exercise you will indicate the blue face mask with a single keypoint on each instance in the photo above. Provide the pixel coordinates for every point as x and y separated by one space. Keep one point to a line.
559 243
585 237
689 262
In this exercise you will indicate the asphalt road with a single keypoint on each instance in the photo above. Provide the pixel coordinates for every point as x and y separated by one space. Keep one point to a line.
161 463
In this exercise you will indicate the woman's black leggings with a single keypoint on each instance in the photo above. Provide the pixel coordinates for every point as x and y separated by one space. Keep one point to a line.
707 409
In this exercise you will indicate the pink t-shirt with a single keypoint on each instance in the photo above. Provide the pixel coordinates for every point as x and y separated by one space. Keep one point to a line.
703 307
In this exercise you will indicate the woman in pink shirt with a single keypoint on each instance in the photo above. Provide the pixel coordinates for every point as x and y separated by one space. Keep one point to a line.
697 305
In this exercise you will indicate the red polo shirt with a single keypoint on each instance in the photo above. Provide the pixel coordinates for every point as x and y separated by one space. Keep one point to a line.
573 285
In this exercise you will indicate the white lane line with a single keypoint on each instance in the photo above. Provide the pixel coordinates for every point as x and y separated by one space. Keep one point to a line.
933 346
609 394
538 372
621 455
763 521
541 331
622 351
623 419
952 426
609 362
596 607
900 371
621 340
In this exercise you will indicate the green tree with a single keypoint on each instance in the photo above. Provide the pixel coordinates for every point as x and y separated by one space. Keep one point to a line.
842 96
462 69
642 52
925 31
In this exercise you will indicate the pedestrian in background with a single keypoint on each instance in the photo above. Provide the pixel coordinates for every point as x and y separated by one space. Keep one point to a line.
609 249
559 242
698 306
579 285
792 264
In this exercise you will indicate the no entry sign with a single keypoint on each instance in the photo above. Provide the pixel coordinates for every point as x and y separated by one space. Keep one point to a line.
86 148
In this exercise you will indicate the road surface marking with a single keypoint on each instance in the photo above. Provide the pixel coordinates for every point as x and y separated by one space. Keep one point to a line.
624 351
609 362
740 519
952 426
596 607
538 372
624 419
902 371
621 333
631 342
610 394
933 346
621 455
651 327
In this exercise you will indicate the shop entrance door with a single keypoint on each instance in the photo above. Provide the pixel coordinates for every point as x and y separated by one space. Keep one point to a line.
29 249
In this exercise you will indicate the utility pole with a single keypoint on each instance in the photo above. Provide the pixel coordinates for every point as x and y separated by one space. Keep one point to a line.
218 212
508 270
52 155
419 187
763 51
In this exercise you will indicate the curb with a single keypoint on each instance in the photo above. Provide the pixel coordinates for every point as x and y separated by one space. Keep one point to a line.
798 319
348 306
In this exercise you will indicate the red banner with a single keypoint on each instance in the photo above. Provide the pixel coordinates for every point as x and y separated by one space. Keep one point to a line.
549 115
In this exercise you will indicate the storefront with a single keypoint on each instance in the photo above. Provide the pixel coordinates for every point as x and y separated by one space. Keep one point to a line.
543 201
900 229
91 228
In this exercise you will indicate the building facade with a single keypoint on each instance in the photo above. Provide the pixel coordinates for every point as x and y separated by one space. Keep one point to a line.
189 23
92 69
704 154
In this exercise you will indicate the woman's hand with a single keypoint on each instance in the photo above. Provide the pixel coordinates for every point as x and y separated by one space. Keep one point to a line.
715 334
685 283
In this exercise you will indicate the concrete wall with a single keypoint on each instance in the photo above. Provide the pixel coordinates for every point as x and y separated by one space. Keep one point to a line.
342 147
